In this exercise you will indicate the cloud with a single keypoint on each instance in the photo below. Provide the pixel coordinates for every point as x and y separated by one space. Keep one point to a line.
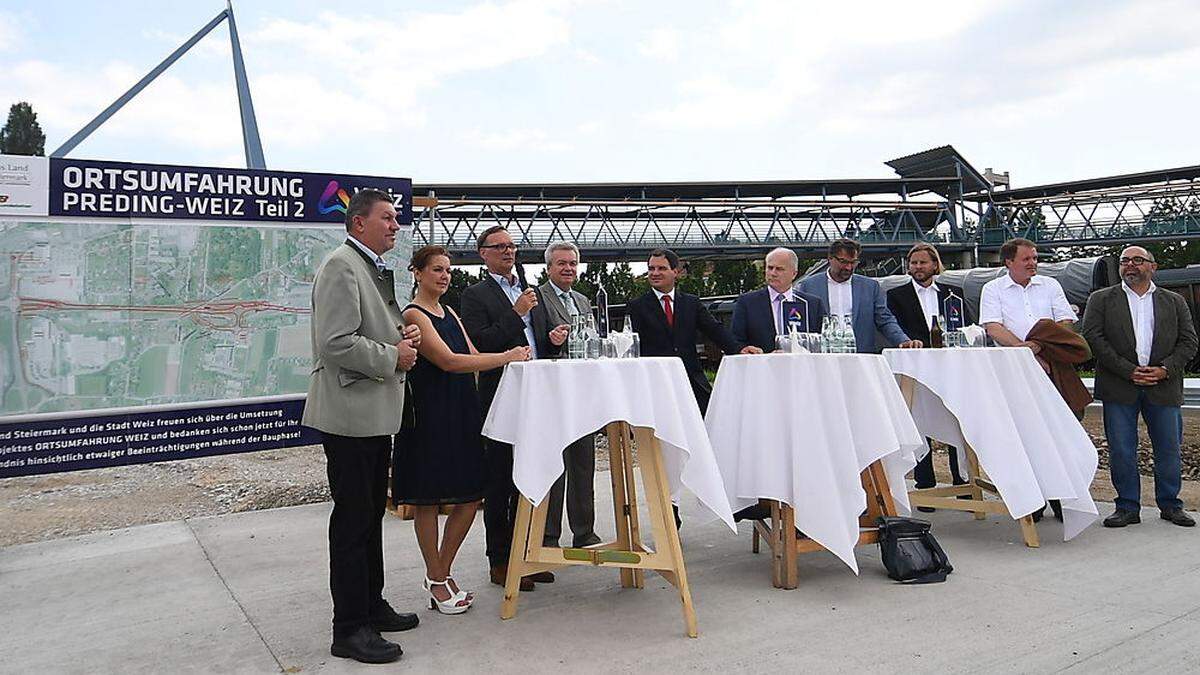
313 82
10 32
215 45
661 44
527 140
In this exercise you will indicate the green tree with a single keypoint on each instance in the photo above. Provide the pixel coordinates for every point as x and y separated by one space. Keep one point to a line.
22 135
459 280
721 277
618 279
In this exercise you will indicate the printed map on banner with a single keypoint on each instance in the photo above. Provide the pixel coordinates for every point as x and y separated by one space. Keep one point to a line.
107 314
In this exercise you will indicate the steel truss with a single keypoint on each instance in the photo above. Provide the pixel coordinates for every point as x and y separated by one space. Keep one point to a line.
1161 205
626 229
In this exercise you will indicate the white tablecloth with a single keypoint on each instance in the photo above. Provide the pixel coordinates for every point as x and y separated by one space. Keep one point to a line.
1001 402
541 407
800 428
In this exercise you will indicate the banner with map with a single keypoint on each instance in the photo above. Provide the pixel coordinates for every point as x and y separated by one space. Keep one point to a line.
162 312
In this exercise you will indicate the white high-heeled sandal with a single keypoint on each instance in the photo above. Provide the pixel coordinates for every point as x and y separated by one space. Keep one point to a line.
470 594
450 605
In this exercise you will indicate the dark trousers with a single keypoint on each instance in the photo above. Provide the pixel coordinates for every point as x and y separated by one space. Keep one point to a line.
923 473
499 502
1165 424
358 472
576 485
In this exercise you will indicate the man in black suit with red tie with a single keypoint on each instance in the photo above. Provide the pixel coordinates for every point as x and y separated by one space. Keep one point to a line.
667 322
914 305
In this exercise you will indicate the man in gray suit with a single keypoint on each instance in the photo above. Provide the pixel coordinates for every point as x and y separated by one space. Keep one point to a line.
1142 337
561 304
356 391
846 293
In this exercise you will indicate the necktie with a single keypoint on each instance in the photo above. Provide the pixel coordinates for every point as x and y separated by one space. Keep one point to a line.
569 303
779 314
668 312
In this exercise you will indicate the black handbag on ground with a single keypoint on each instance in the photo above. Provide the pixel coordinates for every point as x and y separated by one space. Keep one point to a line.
909 551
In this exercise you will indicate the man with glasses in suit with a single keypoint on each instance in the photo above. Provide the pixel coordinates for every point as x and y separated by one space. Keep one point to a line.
501 312
1142 337
861 298
562 304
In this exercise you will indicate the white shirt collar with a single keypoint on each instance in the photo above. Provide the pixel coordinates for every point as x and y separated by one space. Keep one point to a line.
1034 280
836 282
560 291
659 294
932 286
1130 291
379 262
787 295
511 280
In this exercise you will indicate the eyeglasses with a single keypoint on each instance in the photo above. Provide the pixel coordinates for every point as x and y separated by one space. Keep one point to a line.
1135 260
848 263
501 247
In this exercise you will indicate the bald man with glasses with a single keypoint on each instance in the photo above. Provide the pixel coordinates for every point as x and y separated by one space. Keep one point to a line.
1142 337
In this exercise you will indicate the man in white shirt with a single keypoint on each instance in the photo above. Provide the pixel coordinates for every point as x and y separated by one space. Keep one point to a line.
1009 306
1143 338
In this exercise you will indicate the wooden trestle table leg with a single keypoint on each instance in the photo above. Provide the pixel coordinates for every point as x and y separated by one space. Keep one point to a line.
662 520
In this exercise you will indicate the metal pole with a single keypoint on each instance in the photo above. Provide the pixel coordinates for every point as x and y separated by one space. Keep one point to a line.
250 139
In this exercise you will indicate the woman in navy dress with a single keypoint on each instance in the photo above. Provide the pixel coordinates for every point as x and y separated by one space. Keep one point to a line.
438 457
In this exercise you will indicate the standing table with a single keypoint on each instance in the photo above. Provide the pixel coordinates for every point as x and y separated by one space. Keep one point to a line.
543 406
1017 436
825 437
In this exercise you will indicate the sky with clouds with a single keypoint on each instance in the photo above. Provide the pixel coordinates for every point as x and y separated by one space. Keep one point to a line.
617 90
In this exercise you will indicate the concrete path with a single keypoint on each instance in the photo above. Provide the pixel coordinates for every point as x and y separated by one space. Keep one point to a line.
248 593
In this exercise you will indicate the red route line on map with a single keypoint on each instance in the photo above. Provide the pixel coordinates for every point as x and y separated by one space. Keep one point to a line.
208 314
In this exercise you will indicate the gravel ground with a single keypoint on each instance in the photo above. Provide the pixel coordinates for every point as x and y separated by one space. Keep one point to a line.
37 508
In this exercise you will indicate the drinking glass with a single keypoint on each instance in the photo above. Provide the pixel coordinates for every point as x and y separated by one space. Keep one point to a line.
608 348
635 349
592 347
816 343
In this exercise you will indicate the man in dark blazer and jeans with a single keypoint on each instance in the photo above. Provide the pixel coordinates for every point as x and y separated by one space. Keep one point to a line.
914 304
1142 337
499 313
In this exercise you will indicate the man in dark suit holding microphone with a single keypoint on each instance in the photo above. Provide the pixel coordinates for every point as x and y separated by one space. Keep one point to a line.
499 313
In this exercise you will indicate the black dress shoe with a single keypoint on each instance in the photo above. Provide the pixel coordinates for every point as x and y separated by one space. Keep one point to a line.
1121 518
542 577
926 509
366 646
753 512
590 539
1178 517
387 620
